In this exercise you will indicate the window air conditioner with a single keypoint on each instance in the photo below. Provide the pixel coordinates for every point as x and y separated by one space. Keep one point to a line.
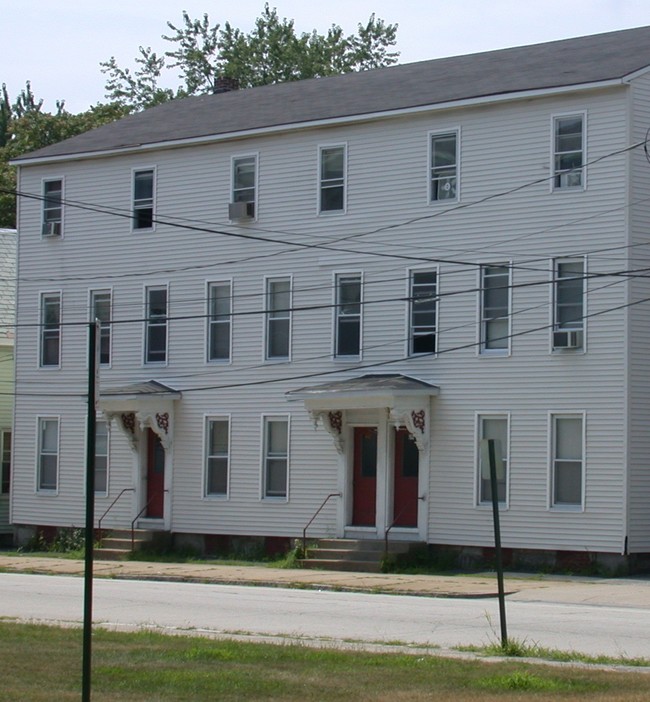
241 210
569 339
52 229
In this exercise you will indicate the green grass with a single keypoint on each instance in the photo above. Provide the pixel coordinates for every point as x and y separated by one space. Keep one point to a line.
44 664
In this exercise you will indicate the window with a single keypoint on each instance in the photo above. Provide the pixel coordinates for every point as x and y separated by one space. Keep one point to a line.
217 456
219 321
332 179
495 308
101 457
278 318
5 472
50 329
244 175
100 307
444 166
52 207
348 315
48 453
156 326
276 456
423 302
568 151
568 459
143 201
568 315
493 427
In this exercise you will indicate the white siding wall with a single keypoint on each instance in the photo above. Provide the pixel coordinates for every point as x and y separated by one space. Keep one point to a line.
502 147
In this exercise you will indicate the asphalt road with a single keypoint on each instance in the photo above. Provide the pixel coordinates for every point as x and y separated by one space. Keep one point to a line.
338 616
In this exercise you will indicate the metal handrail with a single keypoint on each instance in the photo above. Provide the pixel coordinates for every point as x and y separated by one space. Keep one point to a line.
110 507
316 513
137 516
394 523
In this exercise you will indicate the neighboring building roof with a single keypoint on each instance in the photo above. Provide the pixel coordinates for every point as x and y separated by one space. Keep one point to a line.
558 64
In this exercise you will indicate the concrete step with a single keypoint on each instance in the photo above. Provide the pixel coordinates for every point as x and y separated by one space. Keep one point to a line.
340 554
340 565
111 554
376 546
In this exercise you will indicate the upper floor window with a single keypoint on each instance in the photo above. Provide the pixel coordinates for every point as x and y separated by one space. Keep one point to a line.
444 166
348 315
495 308
568 312
5 472
423 302
101 457
495 428
50 329
219 321
156 325
567 463
100 308
278 318
331 188
48 454
217 456
244 177
276 456
143 198
568 151
52 208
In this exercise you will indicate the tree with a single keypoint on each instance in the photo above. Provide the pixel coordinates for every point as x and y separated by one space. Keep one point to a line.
271 53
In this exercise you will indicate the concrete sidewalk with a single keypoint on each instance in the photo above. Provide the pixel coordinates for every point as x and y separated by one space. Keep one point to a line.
622 592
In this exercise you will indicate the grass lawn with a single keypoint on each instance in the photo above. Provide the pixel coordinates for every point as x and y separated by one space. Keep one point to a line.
44 663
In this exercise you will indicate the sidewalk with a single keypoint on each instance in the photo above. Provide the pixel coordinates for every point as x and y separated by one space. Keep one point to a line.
623 592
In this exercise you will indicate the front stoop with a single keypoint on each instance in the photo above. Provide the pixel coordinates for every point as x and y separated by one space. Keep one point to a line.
117 545
358 555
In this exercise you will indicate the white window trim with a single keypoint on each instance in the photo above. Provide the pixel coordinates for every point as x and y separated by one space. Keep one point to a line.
332 213
273 498
585 299
52 179
583 186
569 414
140 169
407 330
441 132
91 293
255 155
480 350
100 493
37 489
265 333
41 328
156 364
336 275
205 495
208 283
479 416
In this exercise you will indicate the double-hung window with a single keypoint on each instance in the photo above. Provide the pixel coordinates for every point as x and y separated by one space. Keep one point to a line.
495 309
156 325
278 318
217 456
244 180
276 456
143 198
5 465
219 321
100 309
568 307
348 315
567 460
48 454
493 427
444 166
332 168
423 302
568 151
52 208
50 353
101 457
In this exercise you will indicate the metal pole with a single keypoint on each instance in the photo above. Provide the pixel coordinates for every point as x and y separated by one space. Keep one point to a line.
90 511
497 540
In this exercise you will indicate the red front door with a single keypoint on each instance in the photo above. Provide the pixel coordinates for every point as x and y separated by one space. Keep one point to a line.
405 498
155 475
364 488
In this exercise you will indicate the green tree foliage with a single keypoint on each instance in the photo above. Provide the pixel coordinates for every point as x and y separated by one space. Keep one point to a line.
273 52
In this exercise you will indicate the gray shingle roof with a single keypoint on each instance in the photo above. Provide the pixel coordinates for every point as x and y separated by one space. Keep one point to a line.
569 62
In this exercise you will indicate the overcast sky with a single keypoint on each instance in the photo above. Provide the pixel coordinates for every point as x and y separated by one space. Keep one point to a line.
58 45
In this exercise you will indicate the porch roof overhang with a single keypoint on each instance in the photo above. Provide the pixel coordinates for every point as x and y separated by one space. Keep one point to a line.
364 392
135 396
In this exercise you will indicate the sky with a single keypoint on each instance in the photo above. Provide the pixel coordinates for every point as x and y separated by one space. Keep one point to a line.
58 45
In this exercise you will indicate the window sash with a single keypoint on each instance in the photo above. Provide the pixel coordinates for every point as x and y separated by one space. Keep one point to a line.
101 457
217 456
219 321
569 294
423 304
568 460
494 427
444 166
51 329
101 310
52 203
495 307
568 151
143 194
348 315
332 179
156 326
276 457
278 318
243 178
48 454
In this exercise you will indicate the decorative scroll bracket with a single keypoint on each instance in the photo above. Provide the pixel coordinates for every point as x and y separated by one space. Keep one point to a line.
332 422
416 420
